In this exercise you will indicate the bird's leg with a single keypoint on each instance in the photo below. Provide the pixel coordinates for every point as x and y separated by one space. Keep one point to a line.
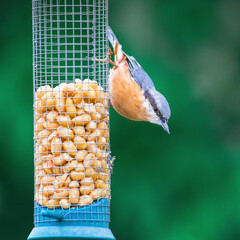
107 59
115 51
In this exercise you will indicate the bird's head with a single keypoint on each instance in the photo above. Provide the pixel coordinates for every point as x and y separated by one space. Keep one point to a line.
161 110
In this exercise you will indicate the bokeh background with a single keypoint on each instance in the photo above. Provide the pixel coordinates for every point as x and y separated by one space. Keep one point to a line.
183 186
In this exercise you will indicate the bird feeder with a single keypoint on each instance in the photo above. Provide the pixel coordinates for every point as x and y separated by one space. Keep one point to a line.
72 162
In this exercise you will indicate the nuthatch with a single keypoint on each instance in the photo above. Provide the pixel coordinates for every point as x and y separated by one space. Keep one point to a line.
132 92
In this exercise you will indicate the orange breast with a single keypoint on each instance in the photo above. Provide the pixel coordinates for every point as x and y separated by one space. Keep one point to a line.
127 98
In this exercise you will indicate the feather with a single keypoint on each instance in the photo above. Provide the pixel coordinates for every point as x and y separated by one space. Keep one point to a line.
141 78
111 36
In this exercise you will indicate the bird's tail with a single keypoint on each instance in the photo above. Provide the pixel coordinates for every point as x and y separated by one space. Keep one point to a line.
111 36
117 47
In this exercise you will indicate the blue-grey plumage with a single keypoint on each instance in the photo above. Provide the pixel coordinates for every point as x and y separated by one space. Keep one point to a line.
139 75
143 103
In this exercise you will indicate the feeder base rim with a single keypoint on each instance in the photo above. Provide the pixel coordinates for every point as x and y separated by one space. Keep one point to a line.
70 233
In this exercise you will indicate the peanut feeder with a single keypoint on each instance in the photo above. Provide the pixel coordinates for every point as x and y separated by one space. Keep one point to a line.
71 120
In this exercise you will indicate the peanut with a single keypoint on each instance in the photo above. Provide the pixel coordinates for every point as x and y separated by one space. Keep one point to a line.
103 127
97 164
60 102
52 116
101 109
80 155
74 195
85 190
51 136
80 131
104 177
80 167
94 134
59 160
48 190
56 146
95 116
48 100
101 142
41 150
65 133
42 90
47 179
44 133
53 203
71 109
40 198
46 143
91 126
64 121
85 200
74 184
89 108
76 176
80 143
80 111
64 203
70 148
91 147
40 106
81 120
88 92
90 83
87 181
99 184
101 154
39 125
68 90
51 125
96 193
61 193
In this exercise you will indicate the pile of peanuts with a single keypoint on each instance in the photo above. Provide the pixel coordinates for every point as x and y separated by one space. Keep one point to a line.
71 144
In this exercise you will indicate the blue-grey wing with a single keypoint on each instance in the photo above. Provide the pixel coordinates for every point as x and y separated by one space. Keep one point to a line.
139 75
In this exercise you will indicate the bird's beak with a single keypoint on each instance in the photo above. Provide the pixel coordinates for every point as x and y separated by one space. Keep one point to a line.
165 127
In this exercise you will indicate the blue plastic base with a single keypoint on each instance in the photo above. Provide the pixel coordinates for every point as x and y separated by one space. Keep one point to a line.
70 232
89 222
94 215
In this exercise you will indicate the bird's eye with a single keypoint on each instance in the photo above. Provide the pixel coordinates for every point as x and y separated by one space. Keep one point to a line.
156 109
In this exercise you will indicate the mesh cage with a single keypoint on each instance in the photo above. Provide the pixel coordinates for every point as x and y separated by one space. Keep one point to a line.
71 117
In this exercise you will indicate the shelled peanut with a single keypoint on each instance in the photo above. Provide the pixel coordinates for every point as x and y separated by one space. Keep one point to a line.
71 144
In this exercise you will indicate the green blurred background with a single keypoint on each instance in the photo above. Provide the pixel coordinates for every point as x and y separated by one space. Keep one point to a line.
183 186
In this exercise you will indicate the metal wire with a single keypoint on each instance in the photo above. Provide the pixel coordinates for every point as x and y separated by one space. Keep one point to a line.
71 118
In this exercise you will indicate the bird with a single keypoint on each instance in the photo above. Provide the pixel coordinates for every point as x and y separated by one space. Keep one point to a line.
131 90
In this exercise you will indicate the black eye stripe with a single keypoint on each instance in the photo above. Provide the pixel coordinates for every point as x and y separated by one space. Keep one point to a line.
153 103
158 113
163 119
